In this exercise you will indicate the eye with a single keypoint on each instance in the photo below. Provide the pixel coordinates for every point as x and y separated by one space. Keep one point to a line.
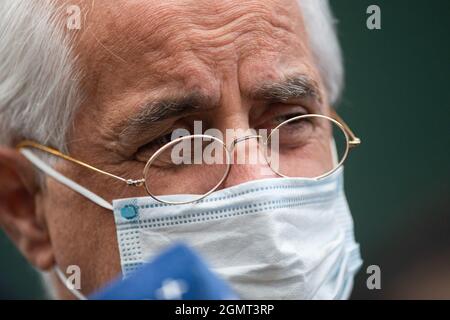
146 151
296 131
280 119
277 114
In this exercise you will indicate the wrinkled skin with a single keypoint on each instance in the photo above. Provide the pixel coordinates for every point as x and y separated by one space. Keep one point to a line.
136 51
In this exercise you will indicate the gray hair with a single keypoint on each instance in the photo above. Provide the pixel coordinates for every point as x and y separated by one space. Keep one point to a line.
39 78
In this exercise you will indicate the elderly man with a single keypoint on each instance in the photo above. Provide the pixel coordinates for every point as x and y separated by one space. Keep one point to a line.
88 115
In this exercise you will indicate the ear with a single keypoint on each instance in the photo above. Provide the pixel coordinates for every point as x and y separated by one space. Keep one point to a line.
19 197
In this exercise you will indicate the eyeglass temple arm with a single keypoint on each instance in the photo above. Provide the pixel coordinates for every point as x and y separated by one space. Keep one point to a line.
354 140
35 145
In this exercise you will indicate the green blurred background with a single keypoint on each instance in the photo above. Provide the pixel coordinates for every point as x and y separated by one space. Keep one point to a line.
397 99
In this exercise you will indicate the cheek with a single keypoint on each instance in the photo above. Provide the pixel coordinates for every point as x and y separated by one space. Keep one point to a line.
82 234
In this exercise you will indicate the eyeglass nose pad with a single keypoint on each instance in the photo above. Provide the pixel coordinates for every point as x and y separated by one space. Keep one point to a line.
245 138
240 156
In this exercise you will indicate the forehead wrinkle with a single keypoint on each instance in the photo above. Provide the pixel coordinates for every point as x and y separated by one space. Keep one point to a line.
168 30
119 30
148 25
245 31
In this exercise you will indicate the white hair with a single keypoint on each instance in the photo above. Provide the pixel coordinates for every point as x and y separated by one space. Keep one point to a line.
39 78
323 40
39 91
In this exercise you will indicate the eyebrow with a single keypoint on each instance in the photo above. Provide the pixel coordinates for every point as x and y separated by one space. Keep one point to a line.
157 111
294 87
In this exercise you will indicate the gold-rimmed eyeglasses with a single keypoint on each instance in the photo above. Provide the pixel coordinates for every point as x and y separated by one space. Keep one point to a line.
307 146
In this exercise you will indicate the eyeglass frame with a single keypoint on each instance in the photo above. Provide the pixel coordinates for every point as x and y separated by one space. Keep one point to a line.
351 139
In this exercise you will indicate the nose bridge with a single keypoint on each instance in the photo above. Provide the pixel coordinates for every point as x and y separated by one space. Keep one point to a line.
247 163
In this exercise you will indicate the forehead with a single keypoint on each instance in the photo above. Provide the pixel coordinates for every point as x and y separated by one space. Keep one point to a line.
190 41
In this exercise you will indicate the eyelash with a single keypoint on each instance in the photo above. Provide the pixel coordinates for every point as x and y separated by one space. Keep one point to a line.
161 141
280 119
145 151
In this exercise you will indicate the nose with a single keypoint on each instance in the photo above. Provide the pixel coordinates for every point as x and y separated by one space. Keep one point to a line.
248 161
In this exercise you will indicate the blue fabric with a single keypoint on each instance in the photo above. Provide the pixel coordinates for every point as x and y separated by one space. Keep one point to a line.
177 273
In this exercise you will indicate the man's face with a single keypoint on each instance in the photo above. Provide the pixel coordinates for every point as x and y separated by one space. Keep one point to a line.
135 54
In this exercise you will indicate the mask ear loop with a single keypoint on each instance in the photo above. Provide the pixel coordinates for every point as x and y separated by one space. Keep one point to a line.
66 181
41 165
77 293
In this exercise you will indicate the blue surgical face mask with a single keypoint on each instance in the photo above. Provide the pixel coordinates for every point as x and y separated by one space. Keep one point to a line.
280 238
